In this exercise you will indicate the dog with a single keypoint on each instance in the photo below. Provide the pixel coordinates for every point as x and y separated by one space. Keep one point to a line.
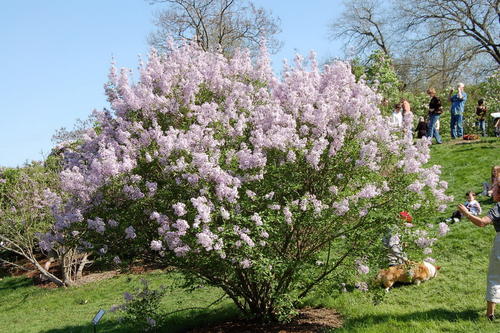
411 272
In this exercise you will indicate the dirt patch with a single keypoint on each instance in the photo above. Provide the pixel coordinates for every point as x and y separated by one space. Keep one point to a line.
94 277
23 267
309 320
463 142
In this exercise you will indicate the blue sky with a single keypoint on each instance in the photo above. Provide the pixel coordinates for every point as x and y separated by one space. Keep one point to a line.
56 55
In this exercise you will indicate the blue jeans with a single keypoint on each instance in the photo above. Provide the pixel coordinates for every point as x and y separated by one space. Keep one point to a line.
481 125
456 127
431 128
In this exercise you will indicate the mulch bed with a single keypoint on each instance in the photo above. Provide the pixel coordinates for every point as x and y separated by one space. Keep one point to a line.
309 320
25 268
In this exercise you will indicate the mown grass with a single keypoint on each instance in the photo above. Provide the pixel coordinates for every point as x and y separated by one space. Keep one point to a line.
453 302
28 308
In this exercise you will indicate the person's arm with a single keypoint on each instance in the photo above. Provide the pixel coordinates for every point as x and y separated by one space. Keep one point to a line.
477 220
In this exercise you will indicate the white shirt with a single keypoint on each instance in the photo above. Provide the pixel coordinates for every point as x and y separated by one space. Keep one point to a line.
396 119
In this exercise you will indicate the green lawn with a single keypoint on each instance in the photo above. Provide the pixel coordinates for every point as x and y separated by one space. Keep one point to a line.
453 302
27 308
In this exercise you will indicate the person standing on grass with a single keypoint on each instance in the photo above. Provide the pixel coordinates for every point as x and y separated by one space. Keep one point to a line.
481 112
406 109
435 111
493 279
407 118
457 111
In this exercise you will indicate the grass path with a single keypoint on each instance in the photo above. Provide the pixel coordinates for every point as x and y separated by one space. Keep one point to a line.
453 302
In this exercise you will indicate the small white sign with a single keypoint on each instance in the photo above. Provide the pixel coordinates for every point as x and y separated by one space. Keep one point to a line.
98 317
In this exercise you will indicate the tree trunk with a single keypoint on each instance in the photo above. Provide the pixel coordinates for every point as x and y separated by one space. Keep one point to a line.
81 266
51 277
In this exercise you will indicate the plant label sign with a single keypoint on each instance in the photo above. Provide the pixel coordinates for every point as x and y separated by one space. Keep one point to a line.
98 317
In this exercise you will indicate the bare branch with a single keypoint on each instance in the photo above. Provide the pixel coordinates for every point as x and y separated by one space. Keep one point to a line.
223 25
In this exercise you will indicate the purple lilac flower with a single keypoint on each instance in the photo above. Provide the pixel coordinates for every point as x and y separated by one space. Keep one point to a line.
256 219
97 225
224 213
246 263
151 322
103 250
443 229
424 242
288 215
251 194
112 223
156 245
179 209
152 188
269 196
128 296
130 233
361 267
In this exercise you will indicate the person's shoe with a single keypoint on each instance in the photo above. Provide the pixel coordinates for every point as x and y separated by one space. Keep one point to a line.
491 317
448 220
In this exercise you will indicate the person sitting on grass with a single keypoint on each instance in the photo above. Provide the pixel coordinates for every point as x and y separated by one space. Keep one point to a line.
472 206
487 187
497 127
421 128
493 279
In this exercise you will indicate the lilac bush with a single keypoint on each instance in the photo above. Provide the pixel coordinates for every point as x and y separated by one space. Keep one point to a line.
240 178
28 196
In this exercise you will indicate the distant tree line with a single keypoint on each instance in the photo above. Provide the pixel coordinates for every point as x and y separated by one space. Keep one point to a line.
431 42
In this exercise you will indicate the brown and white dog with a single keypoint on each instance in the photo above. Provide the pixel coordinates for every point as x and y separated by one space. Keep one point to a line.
412 272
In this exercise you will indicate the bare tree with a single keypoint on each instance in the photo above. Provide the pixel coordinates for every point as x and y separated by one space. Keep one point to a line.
64 136
440 65
365 26
431 41
475 22
215 25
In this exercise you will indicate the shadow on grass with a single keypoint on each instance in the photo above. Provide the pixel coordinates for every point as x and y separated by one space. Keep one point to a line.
173 324
422 316
12 284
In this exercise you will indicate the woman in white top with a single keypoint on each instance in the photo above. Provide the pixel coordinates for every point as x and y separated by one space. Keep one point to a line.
396 117
493 278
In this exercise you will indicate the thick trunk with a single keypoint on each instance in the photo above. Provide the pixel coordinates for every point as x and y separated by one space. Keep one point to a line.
81 266
67 266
